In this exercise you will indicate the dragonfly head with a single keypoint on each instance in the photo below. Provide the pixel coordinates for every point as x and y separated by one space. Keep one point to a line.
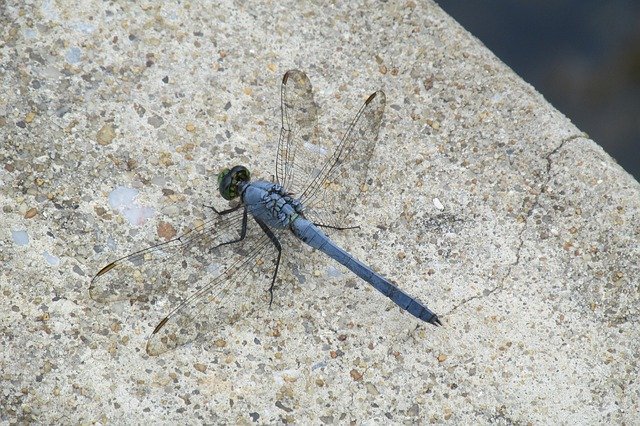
229 179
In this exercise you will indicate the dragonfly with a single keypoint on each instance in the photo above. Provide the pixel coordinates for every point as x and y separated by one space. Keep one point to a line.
317 182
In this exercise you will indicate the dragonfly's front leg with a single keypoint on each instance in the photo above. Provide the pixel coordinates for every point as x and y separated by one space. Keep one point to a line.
224 212
243 229
278 247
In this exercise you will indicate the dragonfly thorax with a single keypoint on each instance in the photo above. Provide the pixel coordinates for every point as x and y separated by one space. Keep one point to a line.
271 204
229 180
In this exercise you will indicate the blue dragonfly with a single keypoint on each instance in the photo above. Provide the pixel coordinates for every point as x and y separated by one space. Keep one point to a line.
316 184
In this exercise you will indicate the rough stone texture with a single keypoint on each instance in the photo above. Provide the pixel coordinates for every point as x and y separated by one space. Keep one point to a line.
532 263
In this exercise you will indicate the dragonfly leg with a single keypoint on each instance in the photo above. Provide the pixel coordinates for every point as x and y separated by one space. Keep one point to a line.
278 247
243 230
223 212
337 228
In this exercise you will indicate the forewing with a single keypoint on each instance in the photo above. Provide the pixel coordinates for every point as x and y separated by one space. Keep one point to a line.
150 270
299 152
219 301
330 195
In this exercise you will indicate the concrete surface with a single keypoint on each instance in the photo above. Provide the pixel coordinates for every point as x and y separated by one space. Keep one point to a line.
513 225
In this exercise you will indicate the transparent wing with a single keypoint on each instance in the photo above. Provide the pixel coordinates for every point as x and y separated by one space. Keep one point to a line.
325 176
216 277
220 301
332 191
298 150
147 271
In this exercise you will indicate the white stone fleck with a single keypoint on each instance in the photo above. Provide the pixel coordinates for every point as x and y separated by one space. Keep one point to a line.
51 259
21 238
74 55
123 200
438 205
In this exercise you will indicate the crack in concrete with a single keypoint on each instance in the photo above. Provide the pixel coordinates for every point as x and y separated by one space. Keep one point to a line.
501 284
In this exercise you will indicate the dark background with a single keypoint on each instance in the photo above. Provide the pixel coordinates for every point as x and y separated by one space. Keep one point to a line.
582 55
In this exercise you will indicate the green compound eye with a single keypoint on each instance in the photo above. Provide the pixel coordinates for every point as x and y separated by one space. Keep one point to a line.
222 174
228 181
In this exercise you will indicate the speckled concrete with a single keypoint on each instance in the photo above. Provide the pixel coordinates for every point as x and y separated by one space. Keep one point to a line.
513 225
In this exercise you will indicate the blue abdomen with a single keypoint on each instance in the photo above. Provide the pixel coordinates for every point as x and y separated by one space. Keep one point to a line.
311 235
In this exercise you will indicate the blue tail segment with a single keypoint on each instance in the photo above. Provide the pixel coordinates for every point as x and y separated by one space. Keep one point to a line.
311 235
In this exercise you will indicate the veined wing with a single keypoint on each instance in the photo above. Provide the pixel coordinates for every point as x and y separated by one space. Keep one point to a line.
333 190
214 275
149 270
218 302
299 152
